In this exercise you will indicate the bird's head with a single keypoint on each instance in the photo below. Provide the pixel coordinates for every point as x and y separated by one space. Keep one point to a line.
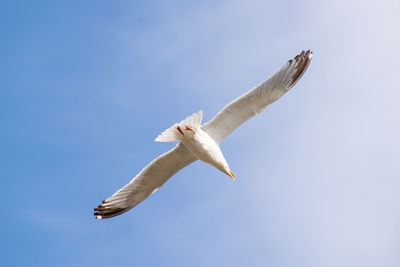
223 166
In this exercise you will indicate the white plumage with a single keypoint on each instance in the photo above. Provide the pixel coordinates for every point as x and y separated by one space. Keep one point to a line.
202 142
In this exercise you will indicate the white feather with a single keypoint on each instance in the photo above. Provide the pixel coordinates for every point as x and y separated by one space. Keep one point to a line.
257 99
152 177
172 134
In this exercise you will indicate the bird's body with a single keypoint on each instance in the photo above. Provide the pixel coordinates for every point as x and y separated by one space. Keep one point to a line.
201 142
197 142
203 147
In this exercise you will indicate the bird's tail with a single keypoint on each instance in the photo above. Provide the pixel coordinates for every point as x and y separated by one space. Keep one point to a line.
177 131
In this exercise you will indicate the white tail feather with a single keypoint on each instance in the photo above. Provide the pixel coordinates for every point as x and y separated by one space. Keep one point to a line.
168 135
172 134
193 120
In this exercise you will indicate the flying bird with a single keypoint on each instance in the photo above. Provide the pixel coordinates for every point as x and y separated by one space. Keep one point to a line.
197 141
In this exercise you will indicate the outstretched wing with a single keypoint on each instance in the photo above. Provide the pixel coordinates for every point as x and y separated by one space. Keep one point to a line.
257 99
152 177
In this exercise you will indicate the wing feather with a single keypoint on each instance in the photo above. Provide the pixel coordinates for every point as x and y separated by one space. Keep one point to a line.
257 99
151 178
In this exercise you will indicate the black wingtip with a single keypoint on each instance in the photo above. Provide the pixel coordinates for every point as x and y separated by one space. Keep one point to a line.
102 212
302 60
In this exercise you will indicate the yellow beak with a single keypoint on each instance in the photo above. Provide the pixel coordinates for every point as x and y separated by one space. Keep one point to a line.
231 175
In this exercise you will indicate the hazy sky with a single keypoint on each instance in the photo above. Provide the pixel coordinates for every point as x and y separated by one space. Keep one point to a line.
86 86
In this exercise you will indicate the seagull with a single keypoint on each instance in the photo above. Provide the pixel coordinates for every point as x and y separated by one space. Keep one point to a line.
201 142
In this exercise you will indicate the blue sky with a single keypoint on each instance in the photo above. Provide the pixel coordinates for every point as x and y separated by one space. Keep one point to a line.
87 85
